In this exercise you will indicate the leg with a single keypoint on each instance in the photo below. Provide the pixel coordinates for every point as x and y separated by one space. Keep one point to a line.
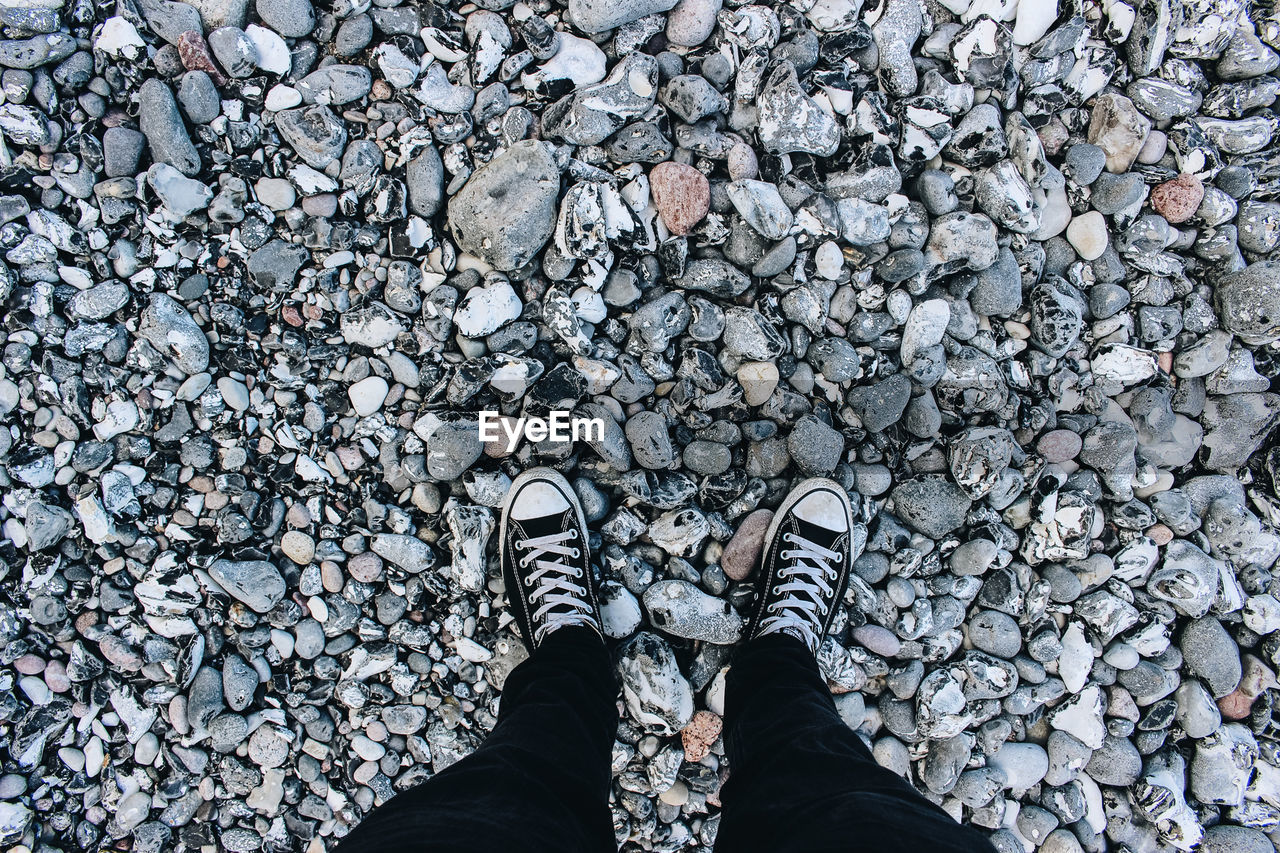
540 782
801 780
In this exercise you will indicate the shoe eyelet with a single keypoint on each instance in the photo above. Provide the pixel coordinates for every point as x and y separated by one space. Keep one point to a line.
776 590
839 559
576 553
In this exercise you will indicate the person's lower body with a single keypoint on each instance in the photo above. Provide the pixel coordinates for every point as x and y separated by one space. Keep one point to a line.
539 782
801 780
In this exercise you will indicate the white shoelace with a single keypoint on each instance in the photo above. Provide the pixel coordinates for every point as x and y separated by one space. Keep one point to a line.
808 579
563 602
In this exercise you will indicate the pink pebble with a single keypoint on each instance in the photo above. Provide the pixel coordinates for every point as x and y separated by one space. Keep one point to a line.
743 551
29 665
55 675
1060 445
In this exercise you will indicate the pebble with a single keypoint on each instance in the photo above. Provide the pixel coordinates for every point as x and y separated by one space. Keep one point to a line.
931 505
594 16
289 18
700 735
1087 234
681 194
657 695
315 134
487 309
1211 654
161 124
257 583
691 22
1178 199
680 609
368 395
1119 129
1249 302
528 175
619 610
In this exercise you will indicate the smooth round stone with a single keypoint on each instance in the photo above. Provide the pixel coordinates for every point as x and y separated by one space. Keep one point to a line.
365 567
892 754
29 664
368 394
900 592
298 546
743 551
267 747
132 810
234 393
1153 149
877 640
1227 838
12 785
147 749
1084 163
1059 445
73 758
367 748
1087 234
1211 653
691 22
1024 764
323 205
282 97
1122 656
36 690
309 639
331 576
995 633
852 708
55 675
289 18
707 457
676 795
758 380
742 161
275 193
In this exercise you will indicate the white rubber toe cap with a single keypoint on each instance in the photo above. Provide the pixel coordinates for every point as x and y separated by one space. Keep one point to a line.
537 499
824 509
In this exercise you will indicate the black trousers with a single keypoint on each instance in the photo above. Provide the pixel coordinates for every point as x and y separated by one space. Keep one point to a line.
800 780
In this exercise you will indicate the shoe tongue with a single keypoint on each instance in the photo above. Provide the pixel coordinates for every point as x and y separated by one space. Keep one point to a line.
816 534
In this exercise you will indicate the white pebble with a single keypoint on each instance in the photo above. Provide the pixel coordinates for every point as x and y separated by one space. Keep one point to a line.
368 394
1087 234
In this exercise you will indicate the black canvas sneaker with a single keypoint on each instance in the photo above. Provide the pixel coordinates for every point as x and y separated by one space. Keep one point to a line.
805 563
543 550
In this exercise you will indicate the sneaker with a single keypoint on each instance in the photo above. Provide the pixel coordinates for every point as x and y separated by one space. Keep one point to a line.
543 550
805 563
